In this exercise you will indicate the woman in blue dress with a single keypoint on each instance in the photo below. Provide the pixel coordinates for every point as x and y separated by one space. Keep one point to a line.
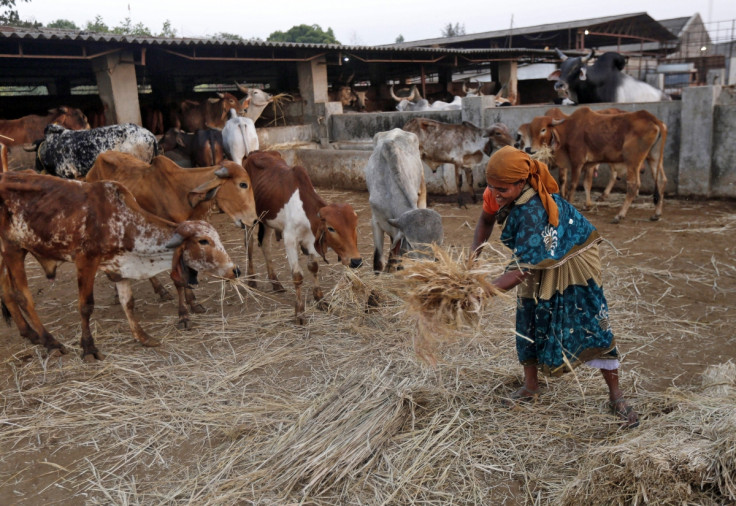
562 314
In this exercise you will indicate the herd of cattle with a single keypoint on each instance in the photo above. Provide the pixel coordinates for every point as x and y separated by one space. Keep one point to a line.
110 201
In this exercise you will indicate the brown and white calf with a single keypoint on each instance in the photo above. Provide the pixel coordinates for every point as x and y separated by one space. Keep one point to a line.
176 194
289 206
98 226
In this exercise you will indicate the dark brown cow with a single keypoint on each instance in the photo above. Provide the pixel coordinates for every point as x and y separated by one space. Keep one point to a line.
98 226
587 137
203 147
288 205
170 192
191 116
461 145
28 129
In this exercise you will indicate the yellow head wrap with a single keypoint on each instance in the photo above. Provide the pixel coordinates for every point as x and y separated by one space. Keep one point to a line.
510 165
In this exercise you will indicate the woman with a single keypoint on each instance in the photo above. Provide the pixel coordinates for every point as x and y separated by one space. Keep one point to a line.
562 314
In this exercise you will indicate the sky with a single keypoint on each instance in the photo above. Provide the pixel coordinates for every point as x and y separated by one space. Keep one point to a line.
371 22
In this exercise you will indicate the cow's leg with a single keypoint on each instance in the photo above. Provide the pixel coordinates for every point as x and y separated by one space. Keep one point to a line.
422 199
86 270
660 181
266 248
250 269
183 323
377 246
292 256
459 185
590 172
194 306
313 266
574 181
471 182
126 300
18 300
633 182
611 181
160 289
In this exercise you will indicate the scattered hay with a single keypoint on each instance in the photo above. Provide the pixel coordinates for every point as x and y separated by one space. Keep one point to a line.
685 456
544 155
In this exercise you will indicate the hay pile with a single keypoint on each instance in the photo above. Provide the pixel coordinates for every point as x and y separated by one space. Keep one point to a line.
685 456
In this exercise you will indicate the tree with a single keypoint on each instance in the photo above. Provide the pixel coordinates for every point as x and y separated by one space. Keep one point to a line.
228 36
8 14
97 25
453 30
167 31
64 24
304 33
399 39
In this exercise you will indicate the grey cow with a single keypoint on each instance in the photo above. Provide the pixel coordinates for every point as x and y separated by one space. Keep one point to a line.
398 197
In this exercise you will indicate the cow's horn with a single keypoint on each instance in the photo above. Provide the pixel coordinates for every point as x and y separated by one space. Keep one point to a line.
585 59
222 173
393 95
175 241
241 87
465 88
562 56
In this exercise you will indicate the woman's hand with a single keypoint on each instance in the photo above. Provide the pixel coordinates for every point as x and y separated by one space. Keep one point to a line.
510 279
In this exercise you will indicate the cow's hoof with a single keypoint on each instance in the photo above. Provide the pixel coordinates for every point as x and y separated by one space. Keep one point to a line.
252 284
300 319
322 305
165 296
57 352
94 357
278 287
184 325
616 220
151 342
602 198
654 218
198 308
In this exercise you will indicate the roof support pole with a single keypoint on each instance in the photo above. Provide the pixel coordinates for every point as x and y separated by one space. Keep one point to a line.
118 87
507 78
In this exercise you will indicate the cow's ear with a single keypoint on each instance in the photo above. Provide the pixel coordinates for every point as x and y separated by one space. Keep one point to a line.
555 140
204 192
554 76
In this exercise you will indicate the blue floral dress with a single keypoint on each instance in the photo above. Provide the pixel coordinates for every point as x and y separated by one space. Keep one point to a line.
562 314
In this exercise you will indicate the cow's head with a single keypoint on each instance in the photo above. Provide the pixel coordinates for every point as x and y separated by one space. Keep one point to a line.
197 248
498 136
417 229
338 230
227 101
542 133
174 138
523 136
69 117
571 72
232 190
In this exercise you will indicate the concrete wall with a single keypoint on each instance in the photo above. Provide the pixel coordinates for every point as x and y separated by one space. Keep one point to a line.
700 152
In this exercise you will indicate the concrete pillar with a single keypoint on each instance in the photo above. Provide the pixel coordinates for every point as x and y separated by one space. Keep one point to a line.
118 87
313 85
473 109
507 77
696 140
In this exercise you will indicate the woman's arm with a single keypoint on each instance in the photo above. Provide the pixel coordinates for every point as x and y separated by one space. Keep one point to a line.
510 279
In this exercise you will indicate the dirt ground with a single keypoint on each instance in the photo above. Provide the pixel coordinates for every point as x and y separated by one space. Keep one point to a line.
680 269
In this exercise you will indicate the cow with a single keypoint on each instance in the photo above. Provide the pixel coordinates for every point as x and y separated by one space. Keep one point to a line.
203 148
191 116
412 102
461 145
255 101
175 194
27 129
71 153
289 206
440 105
394 176
98 226
587 137
603 81
239 137
476 91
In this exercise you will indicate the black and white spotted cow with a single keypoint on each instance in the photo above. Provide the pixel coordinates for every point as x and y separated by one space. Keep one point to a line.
66 153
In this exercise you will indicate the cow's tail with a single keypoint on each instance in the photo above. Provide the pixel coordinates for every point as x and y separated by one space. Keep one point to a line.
261 233
241 129
6 314
659 176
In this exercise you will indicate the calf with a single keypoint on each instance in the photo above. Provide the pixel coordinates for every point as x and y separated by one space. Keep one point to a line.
70 154
170 192
97 226
395 179
239 137
587 137
289 206
461 145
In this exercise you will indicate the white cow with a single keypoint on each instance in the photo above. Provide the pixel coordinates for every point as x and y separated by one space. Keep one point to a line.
398 197
255 101
239 137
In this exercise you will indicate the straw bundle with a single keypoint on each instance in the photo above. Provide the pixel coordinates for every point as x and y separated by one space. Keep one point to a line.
544 154
687 455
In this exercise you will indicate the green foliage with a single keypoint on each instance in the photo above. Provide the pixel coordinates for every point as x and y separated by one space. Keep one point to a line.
97 25
9 16
126 27
167 31
399 39
304 33
453 30
64 24
228 36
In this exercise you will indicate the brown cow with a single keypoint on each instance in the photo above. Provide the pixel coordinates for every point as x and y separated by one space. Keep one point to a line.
28 129
461 145
175 194
191 116
289 205
97 226
203 147
587 137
